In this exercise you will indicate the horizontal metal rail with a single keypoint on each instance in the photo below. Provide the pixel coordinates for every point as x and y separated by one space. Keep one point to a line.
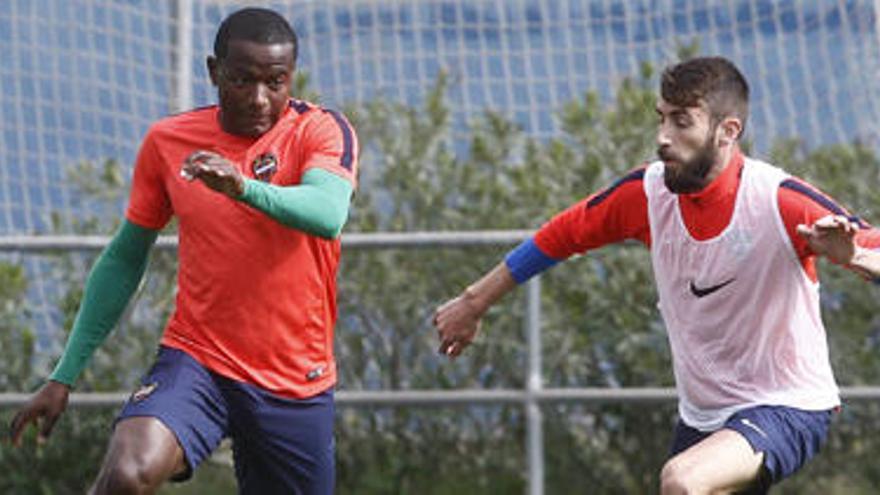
460 397
377 240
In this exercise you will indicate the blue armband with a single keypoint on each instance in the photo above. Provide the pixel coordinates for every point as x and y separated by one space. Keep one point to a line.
527 260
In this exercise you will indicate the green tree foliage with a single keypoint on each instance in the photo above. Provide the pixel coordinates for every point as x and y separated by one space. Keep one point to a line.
17 339
600 327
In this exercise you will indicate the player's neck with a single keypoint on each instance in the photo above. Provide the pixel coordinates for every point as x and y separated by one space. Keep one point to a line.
722 160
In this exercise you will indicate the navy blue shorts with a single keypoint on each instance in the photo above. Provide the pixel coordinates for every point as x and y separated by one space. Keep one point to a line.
280 445
788 438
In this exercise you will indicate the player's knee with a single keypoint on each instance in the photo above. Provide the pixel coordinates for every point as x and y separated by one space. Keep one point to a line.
676 479
128 477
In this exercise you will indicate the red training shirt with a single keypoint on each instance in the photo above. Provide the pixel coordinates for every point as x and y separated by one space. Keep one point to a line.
256 300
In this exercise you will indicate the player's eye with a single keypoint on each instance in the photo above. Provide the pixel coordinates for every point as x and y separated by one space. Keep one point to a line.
239 81
277 83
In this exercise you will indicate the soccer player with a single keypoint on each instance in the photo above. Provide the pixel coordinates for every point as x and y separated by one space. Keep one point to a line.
733 244
260 185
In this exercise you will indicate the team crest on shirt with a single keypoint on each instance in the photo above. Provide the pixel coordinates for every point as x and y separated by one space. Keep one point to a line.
144 391
265 166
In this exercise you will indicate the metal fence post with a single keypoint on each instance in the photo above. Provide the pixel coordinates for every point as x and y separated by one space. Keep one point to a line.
534 384
183 48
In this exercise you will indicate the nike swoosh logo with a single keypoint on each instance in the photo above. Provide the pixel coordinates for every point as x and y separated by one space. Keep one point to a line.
753 426
703 292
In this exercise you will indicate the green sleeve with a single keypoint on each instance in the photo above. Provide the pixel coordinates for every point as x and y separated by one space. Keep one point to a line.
318 206
112 281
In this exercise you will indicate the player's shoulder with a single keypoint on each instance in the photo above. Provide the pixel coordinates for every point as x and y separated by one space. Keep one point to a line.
637 174
302 107
797 197
185 122
308 112
789 185
795 192
760 168
629 182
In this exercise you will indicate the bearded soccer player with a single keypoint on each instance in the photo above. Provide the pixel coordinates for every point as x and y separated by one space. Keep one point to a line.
733 244
260 185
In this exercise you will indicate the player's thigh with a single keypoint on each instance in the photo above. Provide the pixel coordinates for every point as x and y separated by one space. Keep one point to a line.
722 462
182 396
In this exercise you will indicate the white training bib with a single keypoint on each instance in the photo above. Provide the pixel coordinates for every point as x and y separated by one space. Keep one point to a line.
742 316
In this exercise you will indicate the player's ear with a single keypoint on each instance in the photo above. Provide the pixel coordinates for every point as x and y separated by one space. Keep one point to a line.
729 131
213 68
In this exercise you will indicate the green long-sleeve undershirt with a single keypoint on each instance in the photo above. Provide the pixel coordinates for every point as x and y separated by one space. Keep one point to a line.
318 206
110 285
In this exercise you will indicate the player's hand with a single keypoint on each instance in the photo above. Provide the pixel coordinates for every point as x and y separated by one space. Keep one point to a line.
457 322
216 172
831 236
44 409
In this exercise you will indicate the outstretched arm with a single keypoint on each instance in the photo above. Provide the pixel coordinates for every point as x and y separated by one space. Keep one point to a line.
833 236
616 213
111 283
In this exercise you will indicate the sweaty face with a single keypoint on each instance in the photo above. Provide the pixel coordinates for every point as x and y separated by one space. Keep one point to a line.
686 144
253 84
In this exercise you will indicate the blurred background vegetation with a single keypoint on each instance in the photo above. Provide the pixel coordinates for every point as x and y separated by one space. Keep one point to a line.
599 330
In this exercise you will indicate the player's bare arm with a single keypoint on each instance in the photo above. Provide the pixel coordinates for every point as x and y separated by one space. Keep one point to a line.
43 409
215 171
833 236
458 320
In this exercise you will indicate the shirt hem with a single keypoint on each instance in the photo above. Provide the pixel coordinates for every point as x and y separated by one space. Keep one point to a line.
216 366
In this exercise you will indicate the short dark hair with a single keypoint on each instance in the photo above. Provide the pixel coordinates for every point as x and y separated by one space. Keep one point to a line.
714 80
255 24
